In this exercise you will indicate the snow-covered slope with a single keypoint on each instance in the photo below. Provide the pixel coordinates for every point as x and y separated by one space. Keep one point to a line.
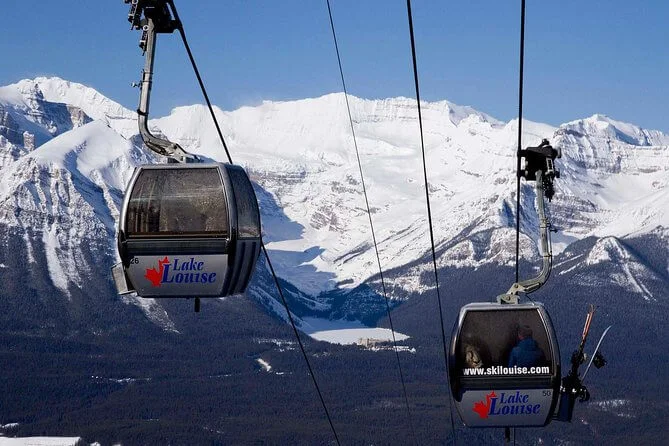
55 90
63 177
611 261
303 153
70 189
613 181
616 176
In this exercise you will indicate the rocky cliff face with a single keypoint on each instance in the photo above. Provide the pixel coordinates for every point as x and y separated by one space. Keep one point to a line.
67 153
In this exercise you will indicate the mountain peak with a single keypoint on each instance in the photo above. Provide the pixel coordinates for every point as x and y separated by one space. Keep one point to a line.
301 155
605 127
72 94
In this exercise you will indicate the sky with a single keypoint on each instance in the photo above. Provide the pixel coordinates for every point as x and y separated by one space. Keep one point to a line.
581 58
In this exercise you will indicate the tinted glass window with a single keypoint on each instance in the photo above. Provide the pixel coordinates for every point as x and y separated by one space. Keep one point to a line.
177 202
503 342
247 205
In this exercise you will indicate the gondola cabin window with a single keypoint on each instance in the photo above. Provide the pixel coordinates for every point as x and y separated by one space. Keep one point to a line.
503 343
248 216
184 202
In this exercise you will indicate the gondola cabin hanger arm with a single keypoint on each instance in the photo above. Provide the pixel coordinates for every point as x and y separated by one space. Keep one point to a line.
153 17
540 168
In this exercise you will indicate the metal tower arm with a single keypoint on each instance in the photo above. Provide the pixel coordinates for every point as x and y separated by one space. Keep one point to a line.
533 284
157 19
540 168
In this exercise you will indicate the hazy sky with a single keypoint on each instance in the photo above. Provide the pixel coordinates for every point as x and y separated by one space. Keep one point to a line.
582 57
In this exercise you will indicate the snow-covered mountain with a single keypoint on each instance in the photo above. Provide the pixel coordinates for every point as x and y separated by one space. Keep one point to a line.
66 153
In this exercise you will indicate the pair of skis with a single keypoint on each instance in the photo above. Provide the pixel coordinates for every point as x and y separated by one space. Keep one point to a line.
596 358
572 384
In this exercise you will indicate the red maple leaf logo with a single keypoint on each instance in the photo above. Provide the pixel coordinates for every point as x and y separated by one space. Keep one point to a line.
483 409
155 276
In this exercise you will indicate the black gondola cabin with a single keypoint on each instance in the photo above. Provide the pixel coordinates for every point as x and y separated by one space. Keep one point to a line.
504 365
187 230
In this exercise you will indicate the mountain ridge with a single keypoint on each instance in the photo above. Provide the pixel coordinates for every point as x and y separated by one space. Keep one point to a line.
115 369
315 224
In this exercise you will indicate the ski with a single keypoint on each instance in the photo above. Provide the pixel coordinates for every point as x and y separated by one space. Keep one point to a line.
594 353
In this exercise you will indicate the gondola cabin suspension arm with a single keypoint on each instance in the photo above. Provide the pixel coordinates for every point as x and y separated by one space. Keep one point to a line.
540 168
157 19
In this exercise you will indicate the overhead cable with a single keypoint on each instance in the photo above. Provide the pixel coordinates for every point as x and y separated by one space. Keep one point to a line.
429 211
262 245
520 131
521 68
371 225
199 79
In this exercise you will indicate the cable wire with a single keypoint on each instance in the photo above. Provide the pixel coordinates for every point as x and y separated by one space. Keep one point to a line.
371 225
520 132
299 341
262 244
520 135
429 211
199 78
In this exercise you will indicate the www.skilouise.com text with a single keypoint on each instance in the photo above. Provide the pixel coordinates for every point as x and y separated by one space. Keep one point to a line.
500 370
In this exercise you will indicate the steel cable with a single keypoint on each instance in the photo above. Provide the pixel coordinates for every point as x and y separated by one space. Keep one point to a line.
519 148
262 244
429 211
520 131
371 225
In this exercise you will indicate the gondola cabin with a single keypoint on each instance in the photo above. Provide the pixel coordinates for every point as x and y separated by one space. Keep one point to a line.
187 230
504 365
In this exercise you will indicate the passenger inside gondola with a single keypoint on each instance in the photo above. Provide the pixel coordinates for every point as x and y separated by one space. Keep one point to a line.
502 338
527 352
474 353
